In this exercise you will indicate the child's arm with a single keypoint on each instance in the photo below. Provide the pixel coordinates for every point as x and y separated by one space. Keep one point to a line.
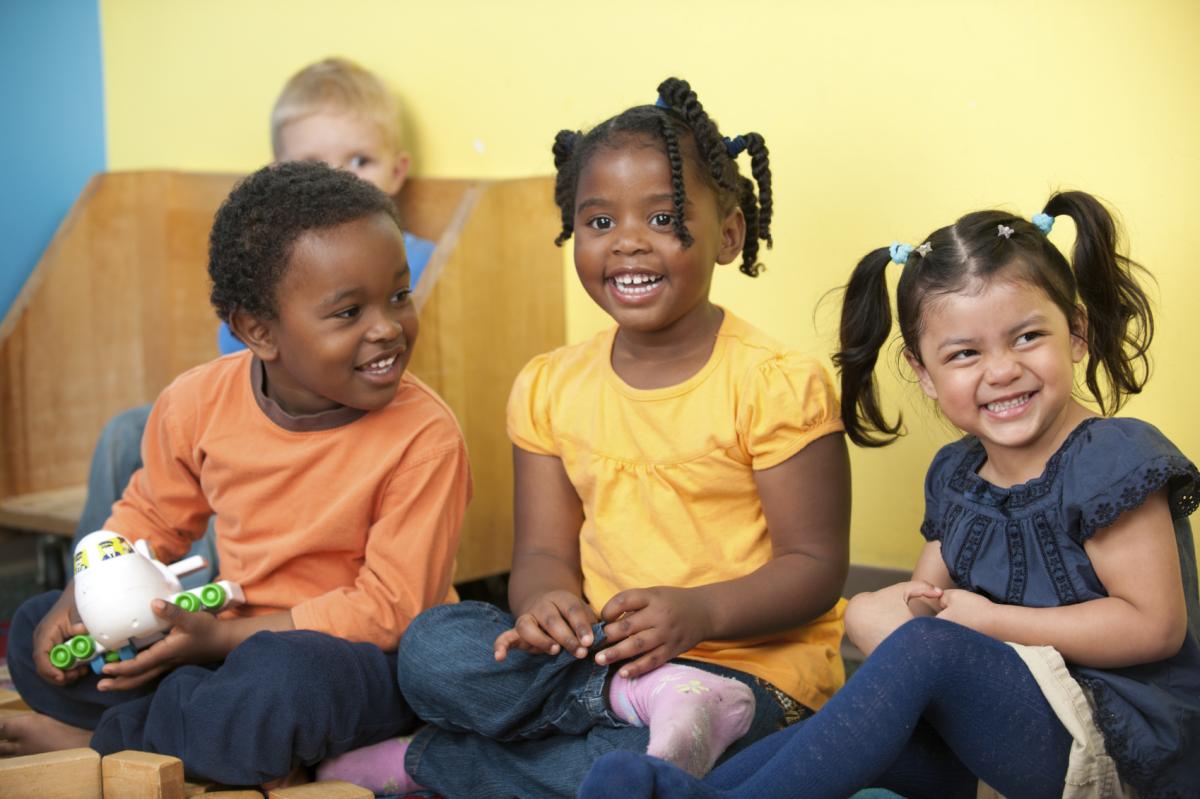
806 501
874 615
1143 619
545 588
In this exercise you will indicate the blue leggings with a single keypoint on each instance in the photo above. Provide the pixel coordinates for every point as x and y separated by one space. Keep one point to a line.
935 707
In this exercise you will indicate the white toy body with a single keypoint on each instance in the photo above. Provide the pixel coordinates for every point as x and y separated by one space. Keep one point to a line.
115 584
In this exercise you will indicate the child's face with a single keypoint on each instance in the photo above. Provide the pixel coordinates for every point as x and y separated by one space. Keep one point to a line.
346 324
626 252
999 360
345 141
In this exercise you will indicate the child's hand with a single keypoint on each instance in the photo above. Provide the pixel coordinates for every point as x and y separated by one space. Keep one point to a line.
60 624
194 638
966 608
921 590
558 620
657 623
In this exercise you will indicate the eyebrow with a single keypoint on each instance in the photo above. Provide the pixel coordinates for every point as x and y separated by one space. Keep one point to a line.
592 202
1032 319
339 296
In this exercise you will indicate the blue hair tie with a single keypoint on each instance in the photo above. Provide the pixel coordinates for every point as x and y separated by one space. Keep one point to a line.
661 103
735 146
900 252
1044 222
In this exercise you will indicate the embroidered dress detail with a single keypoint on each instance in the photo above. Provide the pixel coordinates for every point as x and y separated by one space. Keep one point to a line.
1017 564
1025 545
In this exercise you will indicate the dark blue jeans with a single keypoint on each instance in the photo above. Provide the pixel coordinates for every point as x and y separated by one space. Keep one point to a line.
529 727
118 454
934 707
279 700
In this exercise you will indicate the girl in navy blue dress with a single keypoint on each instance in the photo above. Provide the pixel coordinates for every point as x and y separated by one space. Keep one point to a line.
1048 643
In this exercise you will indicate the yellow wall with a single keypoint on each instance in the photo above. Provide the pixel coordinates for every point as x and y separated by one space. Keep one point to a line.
885 120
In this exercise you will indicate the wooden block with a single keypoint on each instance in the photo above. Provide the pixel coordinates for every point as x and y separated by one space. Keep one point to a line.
329 789
231 795
68 774
142 775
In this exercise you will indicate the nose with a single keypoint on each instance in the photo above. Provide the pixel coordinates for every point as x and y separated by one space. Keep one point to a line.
385 328
1002 369
630 240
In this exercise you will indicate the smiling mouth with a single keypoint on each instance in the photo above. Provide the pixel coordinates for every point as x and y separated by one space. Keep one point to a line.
635 285
1004 406
379 364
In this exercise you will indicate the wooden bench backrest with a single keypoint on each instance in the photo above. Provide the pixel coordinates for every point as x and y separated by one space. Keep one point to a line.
118 306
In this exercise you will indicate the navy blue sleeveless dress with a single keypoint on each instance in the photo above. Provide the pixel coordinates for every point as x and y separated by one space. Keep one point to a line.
1024 546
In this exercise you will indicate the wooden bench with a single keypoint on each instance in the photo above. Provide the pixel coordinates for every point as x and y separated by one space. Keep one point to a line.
118 306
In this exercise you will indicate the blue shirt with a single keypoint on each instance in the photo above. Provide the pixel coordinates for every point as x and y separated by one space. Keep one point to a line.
1024 545
418 250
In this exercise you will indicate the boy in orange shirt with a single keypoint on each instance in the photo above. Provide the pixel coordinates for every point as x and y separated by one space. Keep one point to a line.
338 482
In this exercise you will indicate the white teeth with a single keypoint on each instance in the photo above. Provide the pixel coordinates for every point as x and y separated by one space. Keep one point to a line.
382 363
636 284
997 407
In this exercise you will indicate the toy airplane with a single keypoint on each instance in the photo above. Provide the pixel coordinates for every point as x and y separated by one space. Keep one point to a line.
115 582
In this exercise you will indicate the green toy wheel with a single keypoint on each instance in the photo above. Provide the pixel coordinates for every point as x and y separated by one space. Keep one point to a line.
61 657
82 647
212 596
188 602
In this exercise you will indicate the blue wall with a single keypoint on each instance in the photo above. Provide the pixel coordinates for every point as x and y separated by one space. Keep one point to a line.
52 129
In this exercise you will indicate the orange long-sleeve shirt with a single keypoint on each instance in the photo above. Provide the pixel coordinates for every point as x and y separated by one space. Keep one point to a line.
347 518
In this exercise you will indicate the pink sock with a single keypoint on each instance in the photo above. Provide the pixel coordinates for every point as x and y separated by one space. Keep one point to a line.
693 715
378 767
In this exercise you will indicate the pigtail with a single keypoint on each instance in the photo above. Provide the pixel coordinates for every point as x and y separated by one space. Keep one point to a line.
866 325
1120 323
750 211
760 167
564 181
675 159
756 209
677 94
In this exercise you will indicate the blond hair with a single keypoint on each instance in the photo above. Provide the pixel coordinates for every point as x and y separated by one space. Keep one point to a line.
337 84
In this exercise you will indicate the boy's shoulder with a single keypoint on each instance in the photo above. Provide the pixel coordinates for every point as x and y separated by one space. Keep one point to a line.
417 412
217 378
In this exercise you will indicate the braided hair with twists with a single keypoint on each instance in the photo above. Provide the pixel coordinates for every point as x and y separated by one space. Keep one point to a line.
677 118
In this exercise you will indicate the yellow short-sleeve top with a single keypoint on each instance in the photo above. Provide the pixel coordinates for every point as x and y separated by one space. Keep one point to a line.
666 478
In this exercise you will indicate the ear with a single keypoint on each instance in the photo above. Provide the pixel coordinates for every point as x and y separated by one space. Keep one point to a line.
256 334
733 236
1079 346
399 173
922 374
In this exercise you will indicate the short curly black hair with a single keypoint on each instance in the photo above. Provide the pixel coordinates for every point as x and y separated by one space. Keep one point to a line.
258 224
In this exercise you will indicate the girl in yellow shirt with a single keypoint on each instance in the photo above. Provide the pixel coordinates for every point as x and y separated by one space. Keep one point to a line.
682 500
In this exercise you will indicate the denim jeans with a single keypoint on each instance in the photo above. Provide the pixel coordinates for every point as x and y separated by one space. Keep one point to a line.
117 456
529 727
279 700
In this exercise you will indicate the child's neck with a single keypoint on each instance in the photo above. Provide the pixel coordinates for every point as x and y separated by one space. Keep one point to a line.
669 356
1006 467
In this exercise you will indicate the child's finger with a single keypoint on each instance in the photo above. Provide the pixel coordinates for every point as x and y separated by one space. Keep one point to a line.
557 628
638 643
581 618
624 602
645 664
126 683
532 634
